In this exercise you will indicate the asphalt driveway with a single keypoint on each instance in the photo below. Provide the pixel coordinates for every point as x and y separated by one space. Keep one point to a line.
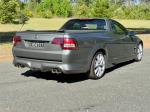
125 88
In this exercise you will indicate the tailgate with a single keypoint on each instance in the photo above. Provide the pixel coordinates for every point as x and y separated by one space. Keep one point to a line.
38 45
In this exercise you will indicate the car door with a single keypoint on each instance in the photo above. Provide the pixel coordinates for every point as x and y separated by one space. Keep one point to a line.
129 45
123 44
116 46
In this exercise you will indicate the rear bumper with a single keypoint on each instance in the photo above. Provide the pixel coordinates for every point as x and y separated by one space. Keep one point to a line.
44 66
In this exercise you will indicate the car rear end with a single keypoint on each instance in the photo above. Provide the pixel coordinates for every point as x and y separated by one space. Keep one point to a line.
69 50
46 51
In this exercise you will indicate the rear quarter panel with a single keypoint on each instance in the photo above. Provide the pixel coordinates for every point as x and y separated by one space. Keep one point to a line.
89 44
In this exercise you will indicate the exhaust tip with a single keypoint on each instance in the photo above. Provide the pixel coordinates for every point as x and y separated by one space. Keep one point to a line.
56 71
19 65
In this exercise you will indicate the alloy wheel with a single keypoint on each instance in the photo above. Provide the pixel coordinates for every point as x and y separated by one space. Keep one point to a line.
139 52
99 65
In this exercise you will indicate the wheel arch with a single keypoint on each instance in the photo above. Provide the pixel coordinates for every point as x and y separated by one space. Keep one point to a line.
141 42
104 51
101 50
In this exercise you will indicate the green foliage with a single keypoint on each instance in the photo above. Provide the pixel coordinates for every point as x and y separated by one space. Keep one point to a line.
8 10
50 8
86 2
140 12
133 12
64 8
23 18
100 8
108 9
119 13
45 14
51 5
31 8
82 8
28 13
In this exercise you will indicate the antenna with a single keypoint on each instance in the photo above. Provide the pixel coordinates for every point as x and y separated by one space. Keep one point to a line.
22 26
21 16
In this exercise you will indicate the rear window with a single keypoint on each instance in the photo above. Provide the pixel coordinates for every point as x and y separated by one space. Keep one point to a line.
89 24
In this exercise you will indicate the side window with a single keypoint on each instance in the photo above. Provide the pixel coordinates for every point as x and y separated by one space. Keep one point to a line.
118 28
101 24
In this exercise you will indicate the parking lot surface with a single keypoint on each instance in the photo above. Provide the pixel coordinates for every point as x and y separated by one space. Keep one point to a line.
124 88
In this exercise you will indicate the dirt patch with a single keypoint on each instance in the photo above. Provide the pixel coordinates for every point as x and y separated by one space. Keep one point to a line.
6 58
6 50
146 43
146 40
5 53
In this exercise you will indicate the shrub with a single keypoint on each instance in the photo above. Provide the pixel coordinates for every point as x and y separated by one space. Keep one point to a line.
100 8
46 14
28 13
23 18
64 8
8 10
119 13
133 12
81 11
82 8
57 7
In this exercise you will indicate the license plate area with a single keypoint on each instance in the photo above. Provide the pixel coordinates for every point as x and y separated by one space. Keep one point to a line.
35 44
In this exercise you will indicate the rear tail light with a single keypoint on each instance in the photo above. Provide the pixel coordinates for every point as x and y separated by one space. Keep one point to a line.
70 44
66 43
16 40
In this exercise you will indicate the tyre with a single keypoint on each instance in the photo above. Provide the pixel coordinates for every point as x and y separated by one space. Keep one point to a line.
97 68
139 53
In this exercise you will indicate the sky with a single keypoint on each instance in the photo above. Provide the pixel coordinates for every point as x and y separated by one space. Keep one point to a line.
137 1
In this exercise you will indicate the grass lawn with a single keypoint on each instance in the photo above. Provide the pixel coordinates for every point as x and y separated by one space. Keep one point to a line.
56 23
135 23
35 24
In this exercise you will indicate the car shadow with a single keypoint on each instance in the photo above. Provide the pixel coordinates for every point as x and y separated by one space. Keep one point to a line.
60 78
118 66
69 78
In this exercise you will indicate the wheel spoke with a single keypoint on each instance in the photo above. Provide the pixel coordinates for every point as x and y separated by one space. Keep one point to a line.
96 64
96 70
102 61
99 71
99 58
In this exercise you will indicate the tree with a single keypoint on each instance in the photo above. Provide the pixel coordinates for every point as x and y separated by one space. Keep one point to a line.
100 8
117 2
36 1
8 10
82 8
85 2
64 8
56 7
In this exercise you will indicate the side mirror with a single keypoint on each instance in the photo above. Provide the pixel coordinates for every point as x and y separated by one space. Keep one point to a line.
131 33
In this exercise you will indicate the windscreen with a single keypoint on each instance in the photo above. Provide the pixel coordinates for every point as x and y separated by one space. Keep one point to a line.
89 24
